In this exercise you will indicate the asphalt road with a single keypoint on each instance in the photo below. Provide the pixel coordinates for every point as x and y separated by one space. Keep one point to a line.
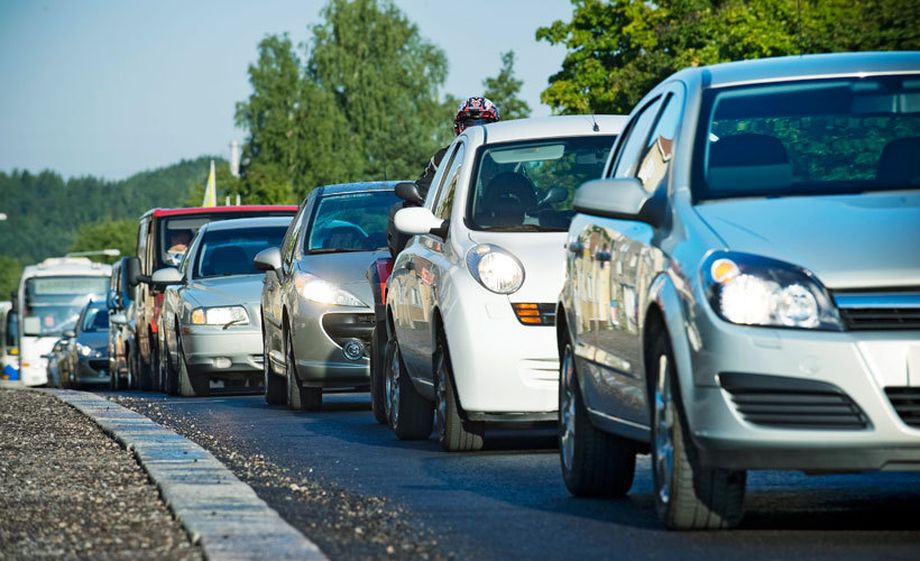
509 502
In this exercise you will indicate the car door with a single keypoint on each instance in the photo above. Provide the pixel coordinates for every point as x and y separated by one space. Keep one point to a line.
273 285
623 255
419 270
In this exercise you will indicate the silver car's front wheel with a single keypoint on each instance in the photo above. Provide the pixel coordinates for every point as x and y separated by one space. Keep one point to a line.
410 414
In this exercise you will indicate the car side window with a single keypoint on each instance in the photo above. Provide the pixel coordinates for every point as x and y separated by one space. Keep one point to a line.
633 144
289 243
445 200
656 158
437 182
142 239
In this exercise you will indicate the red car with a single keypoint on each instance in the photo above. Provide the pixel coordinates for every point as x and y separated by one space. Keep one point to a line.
162 238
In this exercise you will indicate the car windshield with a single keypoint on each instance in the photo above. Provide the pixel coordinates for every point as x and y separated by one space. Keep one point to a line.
95 319
230 252
350 222
177 234
818 137
529 186
57 301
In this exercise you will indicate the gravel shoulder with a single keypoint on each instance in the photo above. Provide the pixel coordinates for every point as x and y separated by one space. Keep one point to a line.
344 524
68 491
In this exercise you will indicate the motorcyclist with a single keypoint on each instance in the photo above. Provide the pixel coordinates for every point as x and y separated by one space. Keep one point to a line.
474 111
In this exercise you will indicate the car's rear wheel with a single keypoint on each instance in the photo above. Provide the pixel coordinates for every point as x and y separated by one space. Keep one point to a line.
275 389
688 496
378 375
299 398
190 386
455 434
411 416
146 370
594 463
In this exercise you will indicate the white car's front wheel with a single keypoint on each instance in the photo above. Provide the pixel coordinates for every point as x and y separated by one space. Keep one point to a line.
410 414
455 434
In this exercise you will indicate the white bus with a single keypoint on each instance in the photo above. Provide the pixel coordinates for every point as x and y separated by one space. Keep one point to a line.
49 300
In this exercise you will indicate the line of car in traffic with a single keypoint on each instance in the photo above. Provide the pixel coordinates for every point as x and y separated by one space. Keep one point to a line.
726 279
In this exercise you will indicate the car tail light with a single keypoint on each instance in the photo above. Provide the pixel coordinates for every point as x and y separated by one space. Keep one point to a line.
530 313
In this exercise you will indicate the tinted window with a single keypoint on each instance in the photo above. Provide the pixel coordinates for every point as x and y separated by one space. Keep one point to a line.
638 132
230 252
656 158
95 319
445 200
350 222
529 186
809 138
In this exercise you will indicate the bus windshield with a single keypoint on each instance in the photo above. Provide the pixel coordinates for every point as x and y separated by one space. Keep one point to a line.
57 301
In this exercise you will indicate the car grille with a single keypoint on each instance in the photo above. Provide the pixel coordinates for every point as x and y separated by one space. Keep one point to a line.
906 401
341 327
99 365
792 403
861 310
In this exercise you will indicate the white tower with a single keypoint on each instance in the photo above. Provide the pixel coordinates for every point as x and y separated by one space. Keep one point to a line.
235 158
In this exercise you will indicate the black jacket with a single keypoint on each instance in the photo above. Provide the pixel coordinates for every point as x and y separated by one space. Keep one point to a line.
396 240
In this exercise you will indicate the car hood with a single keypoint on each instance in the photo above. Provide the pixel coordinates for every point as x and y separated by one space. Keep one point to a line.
346 270
848 241
543 256
221 291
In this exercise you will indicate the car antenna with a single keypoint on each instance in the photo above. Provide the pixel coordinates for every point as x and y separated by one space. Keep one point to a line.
595 127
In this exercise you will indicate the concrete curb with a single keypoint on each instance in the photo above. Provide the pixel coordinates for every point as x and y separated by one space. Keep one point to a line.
221 513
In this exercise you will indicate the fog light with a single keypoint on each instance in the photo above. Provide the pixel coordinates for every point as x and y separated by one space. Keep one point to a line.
353 349
222 362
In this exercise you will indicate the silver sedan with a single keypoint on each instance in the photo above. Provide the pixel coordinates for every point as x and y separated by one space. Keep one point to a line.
210 325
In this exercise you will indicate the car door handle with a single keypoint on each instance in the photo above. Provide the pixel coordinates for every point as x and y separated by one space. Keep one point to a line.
602 256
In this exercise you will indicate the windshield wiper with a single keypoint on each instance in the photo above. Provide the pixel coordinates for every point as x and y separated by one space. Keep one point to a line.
234 322
336 250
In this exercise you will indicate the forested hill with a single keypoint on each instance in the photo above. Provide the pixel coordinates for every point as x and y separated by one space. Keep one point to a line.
44 210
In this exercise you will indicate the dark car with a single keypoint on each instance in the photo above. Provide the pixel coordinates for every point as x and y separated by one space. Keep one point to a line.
120 303
88 354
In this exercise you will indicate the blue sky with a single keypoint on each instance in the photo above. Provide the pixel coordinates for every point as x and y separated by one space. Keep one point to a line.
110 88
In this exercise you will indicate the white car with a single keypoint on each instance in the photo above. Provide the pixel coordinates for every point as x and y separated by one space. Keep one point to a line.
471 300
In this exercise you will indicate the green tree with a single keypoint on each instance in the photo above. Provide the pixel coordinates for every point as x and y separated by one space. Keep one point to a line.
385 78
10 271
619 49
105 234
504 89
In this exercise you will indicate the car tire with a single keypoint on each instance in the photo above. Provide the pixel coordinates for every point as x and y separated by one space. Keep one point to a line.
378 375
274 386
411 416
688 496
594 463
171 385
190 386
455 434
299 398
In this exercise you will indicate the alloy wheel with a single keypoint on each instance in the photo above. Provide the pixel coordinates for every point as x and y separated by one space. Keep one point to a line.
392 385
664 430
567 409
441 403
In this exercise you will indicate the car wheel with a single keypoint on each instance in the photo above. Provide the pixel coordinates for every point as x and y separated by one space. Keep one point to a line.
411 416
594 463
172 373
455 434
190 386
688 496
274 385
299 398
378 375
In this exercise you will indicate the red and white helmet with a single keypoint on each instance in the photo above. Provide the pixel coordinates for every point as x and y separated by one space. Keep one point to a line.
475 111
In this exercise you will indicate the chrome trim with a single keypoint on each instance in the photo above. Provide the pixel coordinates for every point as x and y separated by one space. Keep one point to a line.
877 300
806 77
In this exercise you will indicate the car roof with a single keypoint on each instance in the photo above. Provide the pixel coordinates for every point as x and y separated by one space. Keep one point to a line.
205 210
338 188
806 66
245 223
547 127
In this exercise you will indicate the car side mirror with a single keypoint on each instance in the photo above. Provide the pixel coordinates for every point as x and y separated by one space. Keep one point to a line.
408 191
419 220
268 259
167 276
32 327
132 270
623 198
70 334
118 319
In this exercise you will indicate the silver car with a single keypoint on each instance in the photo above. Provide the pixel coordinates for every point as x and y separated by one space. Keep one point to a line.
210 325
316 300
743 289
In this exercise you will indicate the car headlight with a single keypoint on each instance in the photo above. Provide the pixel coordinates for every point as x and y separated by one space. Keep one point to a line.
316 289
84 350
495 269
752 290
221 315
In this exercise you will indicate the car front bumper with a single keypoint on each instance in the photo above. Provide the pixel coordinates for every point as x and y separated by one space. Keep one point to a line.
766 398
319 333
215 352
92 370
